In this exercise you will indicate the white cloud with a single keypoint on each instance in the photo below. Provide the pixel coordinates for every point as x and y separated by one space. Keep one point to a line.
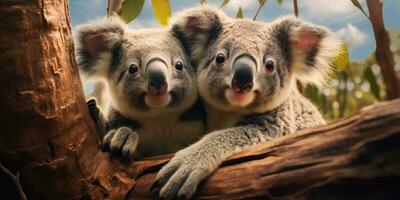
326 10
233 5
147 23
352 35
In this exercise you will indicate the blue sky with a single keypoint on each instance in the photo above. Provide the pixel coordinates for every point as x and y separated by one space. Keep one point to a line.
338 15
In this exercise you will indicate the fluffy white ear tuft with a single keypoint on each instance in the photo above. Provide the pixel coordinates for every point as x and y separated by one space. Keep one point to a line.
196 27
95 43
310 49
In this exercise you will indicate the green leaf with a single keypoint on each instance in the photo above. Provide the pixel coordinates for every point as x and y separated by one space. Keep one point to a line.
162 11
224 3
279 1
131 9
358 5
311 93
239 14
342 60
262 2
324 103
369 75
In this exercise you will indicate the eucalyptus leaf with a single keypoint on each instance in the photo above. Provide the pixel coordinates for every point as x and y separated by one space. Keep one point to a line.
324 103
162 11
358 5
342 60
131 9
224 3
312 93
239 14
369 75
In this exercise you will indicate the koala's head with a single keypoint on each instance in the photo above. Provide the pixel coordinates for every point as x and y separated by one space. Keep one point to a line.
146 72
247 66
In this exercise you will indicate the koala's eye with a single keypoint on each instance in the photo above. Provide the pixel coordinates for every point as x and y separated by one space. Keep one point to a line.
133 68
178 65
270 66
220 58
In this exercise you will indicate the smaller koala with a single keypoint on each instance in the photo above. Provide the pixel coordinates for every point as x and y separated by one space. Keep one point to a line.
149 102
246 75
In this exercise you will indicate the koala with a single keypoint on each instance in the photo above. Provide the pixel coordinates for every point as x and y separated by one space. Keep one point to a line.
246 75
149 102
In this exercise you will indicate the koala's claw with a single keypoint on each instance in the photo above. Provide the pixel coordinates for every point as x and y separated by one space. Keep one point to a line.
180 177
121 143
93 110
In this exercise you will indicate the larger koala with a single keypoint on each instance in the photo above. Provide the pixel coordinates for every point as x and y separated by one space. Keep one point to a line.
149 88
246 75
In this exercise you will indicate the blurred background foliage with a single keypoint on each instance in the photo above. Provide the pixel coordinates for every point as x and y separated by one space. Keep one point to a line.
353 84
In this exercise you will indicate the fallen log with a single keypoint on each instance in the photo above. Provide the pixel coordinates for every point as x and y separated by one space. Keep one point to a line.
354 158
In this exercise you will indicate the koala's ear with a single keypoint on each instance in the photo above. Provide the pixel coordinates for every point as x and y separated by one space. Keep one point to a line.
197 27
95 44
309 49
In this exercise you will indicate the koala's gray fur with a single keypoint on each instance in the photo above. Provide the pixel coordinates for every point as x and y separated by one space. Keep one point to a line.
106 51
267 106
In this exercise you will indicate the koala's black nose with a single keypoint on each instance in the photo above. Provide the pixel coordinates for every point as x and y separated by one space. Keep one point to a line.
243 74
157 77
157 83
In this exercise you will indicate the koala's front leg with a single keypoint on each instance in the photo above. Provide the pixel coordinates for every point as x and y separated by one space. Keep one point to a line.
181 176
94 111
121 143
97 116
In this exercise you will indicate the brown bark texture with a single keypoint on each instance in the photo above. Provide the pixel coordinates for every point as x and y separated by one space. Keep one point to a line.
48 145
353 158
383 54
49 149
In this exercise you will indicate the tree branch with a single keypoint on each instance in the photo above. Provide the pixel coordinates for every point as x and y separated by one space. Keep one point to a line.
48 137
114 7
383 54
14 179
353 158
258 10
296 9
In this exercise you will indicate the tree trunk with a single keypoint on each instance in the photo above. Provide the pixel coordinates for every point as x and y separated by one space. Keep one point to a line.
383 55
48 145
354 158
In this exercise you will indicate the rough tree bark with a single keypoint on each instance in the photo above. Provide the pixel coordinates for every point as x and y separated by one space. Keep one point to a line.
354 158
383 54
49 149
47 137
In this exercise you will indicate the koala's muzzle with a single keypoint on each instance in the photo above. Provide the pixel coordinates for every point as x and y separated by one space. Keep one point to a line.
243 68
157 81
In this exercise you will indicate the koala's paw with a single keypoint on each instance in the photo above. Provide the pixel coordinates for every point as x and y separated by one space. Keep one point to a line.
121 143
93 110
181 176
